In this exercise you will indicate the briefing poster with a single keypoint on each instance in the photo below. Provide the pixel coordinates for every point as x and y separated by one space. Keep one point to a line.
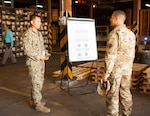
82 43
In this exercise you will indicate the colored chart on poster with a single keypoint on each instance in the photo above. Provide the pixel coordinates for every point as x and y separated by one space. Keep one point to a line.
82 43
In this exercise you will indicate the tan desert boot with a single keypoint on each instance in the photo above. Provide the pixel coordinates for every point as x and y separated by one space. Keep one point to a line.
42 108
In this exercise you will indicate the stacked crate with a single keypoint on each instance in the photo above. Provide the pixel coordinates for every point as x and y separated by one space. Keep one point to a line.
137 72
78 72
136 79
145 87
93 69
96 70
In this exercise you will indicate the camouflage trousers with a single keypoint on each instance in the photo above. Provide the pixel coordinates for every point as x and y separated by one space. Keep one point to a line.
119 94
36 72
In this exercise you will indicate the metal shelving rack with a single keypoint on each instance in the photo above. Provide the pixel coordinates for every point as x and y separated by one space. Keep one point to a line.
19 21
101 35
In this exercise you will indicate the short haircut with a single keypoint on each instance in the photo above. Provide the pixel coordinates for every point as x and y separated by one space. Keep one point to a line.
32 17
6 25
120 13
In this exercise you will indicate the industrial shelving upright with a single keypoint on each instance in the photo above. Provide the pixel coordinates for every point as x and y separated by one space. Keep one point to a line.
101 36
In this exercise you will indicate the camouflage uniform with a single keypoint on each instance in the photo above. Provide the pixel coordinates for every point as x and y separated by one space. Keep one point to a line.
119 58
34 49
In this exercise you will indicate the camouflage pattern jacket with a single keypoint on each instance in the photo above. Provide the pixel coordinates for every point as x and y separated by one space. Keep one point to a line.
120 51
34 45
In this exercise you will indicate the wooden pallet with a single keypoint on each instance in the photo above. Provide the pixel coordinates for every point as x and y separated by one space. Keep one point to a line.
145 87
147 73
137 75
78 72
96 71
138 68
56 73
135 84
146 84
97 74
81 73
83 70
145 90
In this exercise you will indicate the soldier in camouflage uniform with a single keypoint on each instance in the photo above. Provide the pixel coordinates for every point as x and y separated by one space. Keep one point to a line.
120 52
36 55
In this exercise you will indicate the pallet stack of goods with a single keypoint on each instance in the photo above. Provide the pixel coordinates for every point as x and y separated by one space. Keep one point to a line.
96 70
19 21
93 69
99 70
137 72
79 72
136 79
145 87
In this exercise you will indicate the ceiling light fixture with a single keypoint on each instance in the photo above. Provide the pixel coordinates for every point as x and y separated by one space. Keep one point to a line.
94 5
39 6
76 2
7 2
148 5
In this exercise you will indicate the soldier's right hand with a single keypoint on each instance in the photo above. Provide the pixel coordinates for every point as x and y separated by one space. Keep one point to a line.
43 58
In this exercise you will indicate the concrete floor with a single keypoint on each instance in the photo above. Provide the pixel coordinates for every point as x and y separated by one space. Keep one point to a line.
15 94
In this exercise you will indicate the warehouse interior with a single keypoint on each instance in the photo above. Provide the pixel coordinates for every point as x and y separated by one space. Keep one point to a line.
73 95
